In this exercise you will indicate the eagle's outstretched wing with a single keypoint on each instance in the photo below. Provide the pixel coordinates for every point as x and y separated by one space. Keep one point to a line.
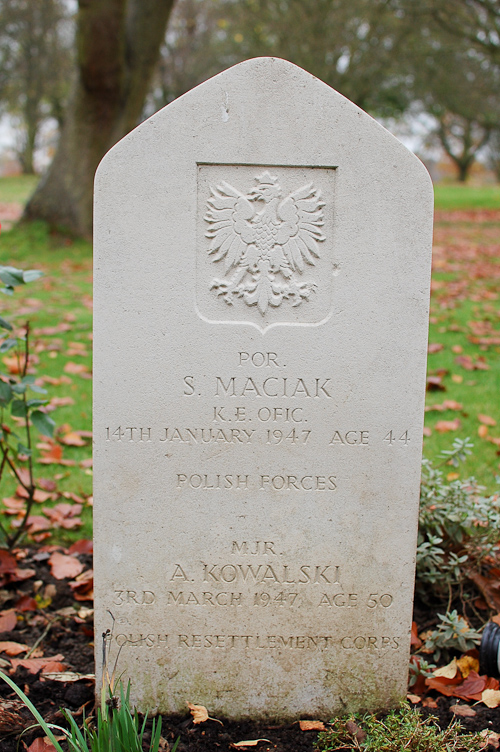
229 214
302 217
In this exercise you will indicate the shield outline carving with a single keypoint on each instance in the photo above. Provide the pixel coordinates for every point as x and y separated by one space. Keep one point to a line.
212 307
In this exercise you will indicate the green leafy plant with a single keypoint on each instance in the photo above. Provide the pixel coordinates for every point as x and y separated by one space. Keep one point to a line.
458 527
117 729
454 633
19 412
419 667
402 729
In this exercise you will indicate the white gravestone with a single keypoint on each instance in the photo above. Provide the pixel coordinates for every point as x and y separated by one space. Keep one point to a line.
262 284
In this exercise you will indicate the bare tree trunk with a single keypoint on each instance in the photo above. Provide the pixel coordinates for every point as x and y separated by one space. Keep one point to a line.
464 155
27 153
118 43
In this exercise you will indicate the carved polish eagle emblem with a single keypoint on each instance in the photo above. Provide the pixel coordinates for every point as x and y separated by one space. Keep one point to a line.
265 242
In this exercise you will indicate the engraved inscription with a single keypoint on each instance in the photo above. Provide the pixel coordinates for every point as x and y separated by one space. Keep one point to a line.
217 481
264 242
207 598
259 642
134 597
254 548
272 386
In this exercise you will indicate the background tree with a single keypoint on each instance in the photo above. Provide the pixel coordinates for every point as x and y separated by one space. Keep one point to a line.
194 49
460 88
353 45
494 152
35 67
118 43
476 21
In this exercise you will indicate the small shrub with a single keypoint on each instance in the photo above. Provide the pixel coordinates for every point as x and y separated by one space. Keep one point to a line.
419 669
458 528
19 411
403 729
454 633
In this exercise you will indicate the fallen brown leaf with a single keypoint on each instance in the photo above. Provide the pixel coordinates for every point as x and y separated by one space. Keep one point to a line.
200 713
63 567
434 383
11 717
491 737
8 620
41 745
67 676
415 639
491 697
82 546
83 586
34 665
465 361
489 589
452 405
472 687
47 484
429 702
49 331
36 523
72 439
464 711
26 603
415 699
77 368
64 515
466 664
51 455
61 401
449 671
435 347
356 731
8 563
443 426
250 743
310 726
14 366
486 420
442 685
13 648
13 505
39 496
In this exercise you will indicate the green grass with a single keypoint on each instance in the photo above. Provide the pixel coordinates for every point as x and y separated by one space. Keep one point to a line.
458 196
17 188
477 392
402 729
61 297
465 322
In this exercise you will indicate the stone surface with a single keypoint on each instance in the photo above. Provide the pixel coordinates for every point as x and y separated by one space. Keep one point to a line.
262 283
